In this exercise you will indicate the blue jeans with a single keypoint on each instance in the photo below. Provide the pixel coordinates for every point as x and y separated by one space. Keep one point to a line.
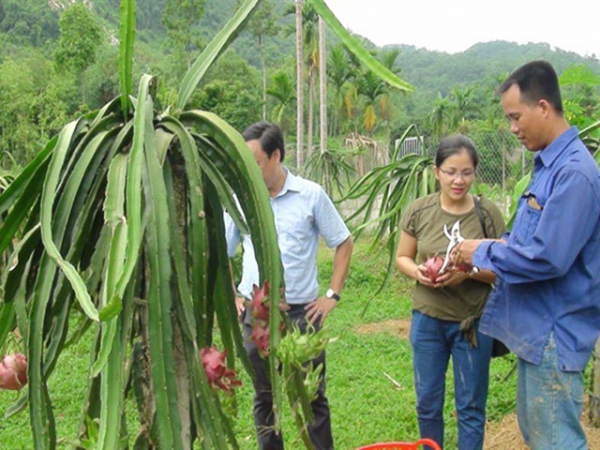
433 341
549 404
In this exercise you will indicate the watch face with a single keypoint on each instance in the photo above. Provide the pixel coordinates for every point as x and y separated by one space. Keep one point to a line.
331 294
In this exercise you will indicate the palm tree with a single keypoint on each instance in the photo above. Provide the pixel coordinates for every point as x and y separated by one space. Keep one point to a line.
340 72
440 116
374 88
310 45
322 85
262 25
299 88
282 90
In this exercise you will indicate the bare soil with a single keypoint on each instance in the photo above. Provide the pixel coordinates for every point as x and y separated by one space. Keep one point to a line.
503 435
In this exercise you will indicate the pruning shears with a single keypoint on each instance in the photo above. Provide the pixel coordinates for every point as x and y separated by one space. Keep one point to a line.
455 238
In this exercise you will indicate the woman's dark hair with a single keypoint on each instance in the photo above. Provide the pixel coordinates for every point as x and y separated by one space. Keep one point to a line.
269 135
537 80
452 145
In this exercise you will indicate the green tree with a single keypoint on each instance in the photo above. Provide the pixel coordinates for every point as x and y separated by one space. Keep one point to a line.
30 22
299 84
180 18
232 101
310 52
581 95
262 25
441 116
34 104
80 37
282 90
340 72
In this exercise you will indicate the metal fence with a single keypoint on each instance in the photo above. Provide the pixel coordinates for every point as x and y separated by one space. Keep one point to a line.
503 160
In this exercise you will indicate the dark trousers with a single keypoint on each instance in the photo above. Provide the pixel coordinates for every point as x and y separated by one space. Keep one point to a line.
320 429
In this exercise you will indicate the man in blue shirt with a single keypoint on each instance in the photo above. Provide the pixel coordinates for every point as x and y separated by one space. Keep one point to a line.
546 305
302 212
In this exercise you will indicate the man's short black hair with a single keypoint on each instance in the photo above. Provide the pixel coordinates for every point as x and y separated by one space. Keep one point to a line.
269 135
537 81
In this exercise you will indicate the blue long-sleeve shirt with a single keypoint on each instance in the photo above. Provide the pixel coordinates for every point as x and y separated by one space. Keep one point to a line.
549 268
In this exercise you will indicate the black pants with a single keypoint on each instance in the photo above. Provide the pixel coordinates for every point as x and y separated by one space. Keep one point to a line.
320 429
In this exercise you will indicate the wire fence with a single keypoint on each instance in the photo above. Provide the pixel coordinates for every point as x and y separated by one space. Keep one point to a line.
503 161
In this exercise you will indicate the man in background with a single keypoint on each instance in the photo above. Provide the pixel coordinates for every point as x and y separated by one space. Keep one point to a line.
303 212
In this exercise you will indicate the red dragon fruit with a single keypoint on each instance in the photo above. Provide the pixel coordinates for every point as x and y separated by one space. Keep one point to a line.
260 336
260 302
219 376
463 267
13 372
433 266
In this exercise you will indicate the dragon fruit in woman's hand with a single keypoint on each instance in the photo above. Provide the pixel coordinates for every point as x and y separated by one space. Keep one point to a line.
433 266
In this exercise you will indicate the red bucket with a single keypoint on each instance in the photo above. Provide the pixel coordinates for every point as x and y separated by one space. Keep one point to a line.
401 445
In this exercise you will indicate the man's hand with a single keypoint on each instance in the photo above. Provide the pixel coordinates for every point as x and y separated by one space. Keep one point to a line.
320 309
450 278
240 305
463 252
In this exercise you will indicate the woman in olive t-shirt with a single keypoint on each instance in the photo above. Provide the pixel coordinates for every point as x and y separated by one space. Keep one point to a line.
446 312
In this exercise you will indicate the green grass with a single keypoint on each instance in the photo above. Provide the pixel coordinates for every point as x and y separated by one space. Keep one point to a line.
366 406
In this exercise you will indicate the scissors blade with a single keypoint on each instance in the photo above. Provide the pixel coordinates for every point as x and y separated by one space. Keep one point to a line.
447 233
445 264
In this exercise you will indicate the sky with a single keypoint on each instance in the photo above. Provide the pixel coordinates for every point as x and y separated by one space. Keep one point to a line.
454 25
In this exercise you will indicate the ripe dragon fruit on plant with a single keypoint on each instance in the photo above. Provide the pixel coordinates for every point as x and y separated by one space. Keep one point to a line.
260 302
219 376
260 336
13 372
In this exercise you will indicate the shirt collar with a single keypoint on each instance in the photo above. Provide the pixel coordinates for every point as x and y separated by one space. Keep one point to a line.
554 150
292 183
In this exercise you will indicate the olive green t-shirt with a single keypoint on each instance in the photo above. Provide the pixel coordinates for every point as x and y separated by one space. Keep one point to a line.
425 221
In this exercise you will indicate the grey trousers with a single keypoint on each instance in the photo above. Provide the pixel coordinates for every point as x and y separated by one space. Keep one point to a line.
320 429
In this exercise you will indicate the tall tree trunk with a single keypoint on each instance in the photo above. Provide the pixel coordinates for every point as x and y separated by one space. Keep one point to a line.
311 115
323 94
299 88
263 62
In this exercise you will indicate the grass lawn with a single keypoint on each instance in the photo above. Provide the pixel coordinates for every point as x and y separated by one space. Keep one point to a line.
369 376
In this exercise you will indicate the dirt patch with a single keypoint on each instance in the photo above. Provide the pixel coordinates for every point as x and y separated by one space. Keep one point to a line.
503 435
399 328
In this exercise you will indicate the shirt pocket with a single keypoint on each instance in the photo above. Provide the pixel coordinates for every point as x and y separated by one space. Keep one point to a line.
526 226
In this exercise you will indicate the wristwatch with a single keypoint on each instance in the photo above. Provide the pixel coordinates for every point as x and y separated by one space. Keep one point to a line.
332 294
